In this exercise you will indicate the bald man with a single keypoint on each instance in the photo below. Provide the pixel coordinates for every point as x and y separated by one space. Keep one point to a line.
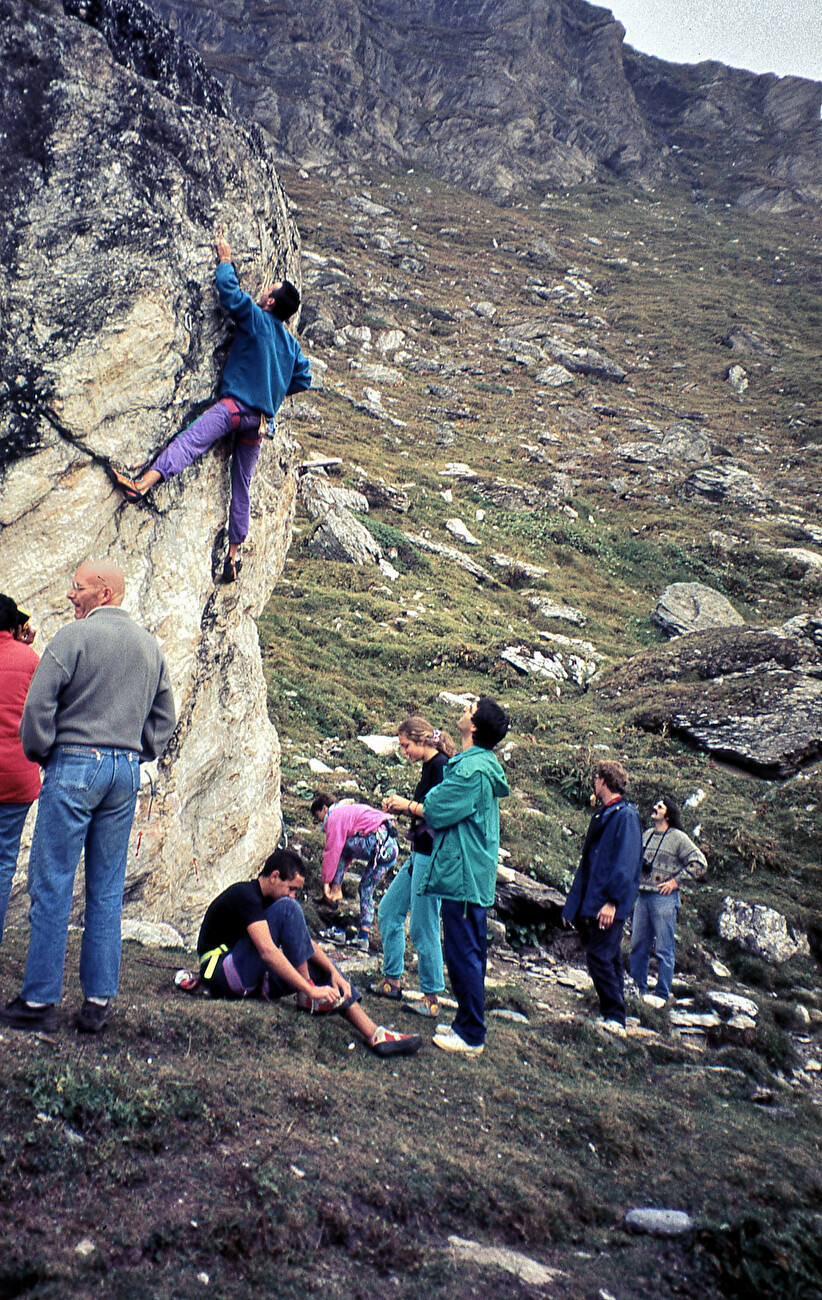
99 704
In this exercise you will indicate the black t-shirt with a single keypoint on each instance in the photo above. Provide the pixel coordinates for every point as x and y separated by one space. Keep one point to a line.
422 840
230 914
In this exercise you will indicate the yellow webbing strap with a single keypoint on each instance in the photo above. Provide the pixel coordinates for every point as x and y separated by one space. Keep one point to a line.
209 960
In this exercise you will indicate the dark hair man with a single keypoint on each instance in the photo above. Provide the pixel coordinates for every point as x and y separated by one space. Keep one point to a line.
463 813
668 858
254 942
99 703
264 366
605 887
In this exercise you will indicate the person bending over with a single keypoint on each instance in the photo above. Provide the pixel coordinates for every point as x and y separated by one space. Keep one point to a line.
355 831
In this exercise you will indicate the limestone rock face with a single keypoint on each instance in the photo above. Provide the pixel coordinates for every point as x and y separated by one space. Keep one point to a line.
744 694
498 95
111 340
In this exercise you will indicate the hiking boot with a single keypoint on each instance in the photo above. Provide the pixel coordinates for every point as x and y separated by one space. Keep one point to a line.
450 1041
361 941
93 1017
22 1015
385 1042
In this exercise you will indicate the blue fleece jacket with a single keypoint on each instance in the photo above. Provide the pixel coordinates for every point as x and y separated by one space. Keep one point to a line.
265 363
610 865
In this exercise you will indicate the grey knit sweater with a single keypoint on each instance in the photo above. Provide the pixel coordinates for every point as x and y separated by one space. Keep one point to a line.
669 855
102 681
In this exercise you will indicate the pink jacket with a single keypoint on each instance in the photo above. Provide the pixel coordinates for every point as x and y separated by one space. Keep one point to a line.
342 820
19 779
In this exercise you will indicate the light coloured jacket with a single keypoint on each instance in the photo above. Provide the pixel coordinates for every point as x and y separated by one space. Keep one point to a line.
669 855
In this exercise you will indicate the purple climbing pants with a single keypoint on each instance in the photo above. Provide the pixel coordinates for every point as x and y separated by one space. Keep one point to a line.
227 416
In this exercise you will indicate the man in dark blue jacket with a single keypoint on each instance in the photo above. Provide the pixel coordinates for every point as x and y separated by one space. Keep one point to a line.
264 366
605 888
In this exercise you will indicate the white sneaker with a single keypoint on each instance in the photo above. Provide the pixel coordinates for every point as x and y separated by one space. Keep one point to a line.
613 1027
450 1041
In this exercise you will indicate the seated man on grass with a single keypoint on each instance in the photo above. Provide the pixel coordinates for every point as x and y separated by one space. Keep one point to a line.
254 942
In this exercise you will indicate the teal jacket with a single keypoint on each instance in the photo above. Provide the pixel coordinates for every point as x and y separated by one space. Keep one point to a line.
463 813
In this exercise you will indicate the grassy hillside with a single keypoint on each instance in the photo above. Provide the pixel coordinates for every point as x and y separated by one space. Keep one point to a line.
655 285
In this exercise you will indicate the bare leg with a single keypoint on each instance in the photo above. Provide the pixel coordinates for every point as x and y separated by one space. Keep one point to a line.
361 1022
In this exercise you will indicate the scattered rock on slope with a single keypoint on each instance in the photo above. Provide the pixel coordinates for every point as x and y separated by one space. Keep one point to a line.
691 607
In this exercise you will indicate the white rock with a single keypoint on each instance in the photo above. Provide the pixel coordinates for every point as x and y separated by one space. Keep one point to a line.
554 376
695 1019
719 968
317 765
738 379
458 469
760 930
388 341
85 1248
505 1013
154 934
380 744
511 1261
458 529
661 1223
733 1002
740 1021
457 701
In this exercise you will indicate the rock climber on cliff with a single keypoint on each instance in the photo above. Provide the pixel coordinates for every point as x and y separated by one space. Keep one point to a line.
265 365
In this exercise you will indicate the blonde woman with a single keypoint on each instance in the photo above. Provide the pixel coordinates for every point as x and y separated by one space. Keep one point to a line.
419 742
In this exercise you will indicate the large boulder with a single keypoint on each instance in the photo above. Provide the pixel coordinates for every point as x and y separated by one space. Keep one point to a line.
744 694
760 930
691 607
120 162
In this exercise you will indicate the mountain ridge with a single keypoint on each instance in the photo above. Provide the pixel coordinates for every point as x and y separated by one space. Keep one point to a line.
507 96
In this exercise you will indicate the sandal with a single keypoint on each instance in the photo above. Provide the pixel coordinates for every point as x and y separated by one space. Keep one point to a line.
385 989
125 485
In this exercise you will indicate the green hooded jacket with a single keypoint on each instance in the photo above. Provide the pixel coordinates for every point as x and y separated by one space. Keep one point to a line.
463 813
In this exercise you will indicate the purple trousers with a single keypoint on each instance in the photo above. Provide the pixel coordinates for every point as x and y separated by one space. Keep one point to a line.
228 416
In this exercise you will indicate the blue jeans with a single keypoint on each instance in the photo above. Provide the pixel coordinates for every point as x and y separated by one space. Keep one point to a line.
400 898
12 818
465 935
654 924
87 802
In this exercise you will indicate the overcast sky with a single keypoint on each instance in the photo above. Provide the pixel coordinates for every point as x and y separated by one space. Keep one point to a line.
782 36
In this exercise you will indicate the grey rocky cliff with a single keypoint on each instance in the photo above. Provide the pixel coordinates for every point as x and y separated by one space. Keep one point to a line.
111 339
500 95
